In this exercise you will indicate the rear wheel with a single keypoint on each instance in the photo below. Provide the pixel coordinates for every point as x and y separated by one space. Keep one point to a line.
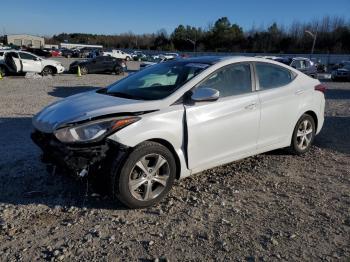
303 135
146 176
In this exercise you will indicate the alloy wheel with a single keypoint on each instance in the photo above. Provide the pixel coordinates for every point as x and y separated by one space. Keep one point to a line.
304 134
149 177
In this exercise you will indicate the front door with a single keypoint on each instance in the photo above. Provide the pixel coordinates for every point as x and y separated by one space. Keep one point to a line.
30 63
223 130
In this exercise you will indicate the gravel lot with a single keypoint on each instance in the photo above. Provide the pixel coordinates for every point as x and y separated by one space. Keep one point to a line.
273 206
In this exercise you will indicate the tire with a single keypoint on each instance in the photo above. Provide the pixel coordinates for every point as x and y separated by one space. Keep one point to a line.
139 166
3 71
303 135
47 71
84 70
118 70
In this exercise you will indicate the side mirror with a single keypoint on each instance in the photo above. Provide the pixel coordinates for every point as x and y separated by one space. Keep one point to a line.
205 94
37 59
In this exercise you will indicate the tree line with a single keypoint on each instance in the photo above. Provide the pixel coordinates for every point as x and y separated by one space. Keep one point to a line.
333 36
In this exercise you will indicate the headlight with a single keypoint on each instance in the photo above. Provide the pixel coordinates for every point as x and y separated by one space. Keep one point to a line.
92 131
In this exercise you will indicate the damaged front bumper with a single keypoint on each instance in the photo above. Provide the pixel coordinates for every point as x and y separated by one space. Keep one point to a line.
77 158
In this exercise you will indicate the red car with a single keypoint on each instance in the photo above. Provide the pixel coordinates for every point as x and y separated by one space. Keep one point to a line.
55 52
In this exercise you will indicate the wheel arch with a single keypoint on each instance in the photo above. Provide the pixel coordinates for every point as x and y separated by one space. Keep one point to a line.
169 146
54 69
314 116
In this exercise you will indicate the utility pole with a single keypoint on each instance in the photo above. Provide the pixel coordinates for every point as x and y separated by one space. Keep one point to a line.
314 36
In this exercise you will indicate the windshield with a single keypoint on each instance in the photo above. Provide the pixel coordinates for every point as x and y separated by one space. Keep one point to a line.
156 82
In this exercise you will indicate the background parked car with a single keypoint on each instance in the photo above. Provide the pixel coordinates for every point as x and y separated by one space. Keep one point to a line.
117 54
152 61
304 65
100 64
54 52
340 65
70 52
22 62
84 52
39 52
138 56
341 74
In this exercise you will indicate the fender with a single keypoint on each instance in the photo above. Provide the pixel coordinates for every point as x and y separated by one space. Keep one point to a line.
170 128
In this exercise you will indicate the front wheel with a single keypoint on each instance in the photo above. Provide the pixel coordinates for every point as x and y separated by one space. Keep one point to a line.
146 176
303 135
47 71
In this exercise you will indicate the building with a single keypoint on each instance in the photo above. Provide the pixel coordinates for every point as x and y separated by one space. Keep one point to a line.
51 46
79 46
25 40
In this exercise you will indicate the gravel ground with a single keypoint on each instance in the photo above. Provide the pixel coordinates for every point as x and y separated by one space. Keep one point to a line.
269 207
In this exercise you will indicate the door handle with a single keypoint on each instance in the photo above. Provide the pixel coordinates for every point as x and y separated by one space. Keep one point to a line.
250 106
299 92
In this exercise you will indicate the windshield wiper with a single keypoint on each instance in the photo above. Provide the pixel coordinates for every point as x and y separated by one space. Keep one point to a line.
123 95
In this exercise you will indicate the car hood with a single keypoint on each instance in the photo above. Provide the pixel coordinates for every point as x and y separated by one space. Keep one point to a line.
86 106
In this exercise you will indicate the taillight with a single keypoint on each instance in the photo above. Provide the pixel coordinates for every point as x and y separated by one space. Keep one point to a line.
320 87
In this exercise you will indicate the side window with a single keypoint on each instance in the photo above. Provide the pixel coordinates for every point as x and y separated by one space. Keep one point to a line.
27 56
272 76
299 64
230 80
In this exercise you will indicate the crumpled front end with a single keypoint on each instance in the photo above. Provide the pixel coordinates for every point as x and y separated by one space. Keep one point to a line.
79 159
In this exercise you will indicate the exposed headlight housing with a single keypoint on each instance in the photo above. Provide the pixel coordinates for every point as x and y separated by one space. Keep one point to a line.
92 131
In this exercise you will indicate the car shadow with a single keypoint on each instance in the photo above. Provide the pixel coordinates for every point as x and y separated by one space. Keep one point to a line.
338 94
335 134
65 91
25 180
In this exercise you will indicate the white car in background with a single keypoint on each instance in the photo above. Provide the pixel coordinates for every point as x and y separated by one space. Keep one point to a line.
15 61
178 118
117 54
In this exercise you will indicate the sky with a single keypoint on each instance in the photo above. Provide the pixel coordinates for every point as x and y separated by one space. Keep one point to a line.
47 18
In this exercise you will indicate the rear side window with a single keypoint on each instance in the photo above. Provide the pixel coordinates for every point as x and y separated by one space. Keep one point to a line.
230 80
273 76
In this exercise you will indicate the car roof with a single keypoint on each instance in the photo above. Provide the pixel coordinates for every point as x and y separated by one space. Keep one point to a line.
206 59
300 58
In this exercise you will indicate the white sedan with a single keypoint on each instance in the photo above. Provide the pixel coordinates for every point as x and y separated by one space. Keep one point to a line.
14 61
179 118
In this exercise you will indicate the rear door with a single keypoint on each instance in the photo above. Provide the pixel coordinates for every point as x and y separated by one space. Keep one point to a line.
96 65
279 101
108 63
30 62
223 130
